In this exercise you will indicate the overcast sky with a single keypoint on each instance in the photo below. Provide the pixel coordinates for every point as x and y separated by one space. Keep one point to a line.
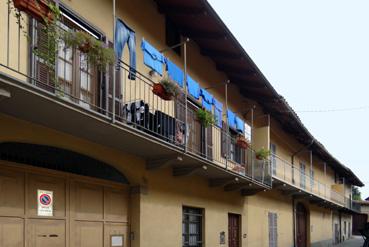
316 54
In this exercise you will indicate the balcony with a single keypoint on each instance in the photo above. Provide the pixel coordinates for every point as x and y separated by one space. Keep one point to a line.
293 181
81 101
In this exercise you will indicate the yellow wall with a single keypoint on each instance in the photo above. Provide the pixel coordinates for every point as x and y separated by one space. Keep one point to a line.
157 214
167 196
258 207
320 224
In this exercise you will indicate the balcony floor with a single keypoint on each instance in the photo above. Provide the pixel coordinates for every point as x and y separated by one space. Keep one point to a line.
300 193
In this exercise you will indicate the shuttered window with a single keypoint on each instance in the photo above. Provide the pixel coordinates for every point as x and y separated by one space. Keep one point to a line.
273 150
192 222
229 148
273 231
302 175
69 75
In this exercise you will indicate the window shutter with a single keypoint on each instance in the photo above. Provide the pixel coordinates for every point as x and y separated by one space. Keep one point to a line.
272 224
118 89
224 140
209 142
45 76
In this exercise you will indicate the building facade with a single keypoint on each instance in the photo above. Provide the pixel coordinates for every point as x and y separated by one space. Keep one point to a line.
92 156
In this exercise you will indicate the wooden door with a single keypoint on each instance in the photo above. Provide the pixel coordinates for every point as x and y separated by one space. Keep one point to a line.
46 233
233 230
301 224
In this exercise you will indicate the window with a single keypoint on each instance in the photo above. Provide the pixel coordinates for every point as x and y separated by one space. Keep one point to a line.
229 148
344 228
172 36
273 230
302 175
312 182
76 80
192 227
273 151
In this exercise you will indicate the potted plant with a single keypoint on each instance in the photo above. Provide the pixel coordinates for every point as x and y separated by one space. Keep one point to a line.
39 9
262 154
205 117
242 142
166 89
98 53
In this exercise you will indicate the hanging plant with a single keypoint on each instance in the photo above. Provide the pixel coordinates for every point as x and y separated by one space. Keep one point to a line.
38 9
97 52
262 154
205 117
166 89
242 142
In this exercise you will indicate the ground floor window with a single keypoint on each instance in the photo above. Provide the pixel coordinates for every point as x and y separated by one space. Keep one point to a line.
273 230
192 227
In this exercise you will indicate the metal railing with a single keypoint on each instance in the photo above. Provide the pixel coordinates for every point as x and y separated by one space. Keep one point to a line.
290 174
133 104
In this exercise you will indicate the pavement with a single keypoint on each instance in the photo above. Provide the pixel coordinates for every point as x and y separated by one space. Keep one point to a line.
355 241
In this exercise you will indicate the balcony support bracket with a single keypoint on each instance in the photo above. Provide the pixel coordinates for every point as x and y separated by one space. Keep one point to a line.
162 162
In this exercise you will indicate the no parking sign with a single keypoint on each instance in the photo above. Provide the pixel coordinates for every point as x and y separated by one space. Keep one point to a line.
45 203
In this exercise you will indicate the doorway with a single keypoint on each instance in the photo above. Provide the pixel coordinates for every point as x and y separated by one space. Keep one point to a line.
301 225
234 230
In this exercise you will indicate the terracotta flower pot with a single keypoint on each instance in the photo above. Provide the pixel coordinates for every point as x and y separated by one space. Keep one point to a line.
242 142
159 90
259 157
85 47
38 9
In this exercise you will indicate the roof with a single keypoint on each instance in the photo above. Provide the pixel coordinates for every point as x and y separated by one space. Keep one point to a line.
197 20
361 202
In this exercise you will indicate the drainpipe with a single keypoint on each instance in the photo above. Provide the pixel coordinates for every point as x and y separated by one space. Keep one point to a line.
300 150
294 222
340 220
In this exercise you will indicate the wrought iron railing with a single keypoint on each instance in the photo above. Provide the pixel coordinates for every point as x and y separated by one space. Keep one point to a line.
132 104
290 174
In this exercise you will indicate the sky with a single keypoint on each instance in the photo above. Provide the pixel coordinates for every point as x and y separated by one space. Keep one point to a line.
316 54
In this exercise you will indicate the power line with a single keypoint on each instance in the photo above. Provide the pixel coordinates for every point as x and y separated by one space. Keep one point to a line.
357 108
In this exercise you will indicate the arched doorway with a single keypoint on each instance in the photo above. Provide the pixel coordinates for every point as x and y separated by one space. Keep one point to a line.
57 197
301 225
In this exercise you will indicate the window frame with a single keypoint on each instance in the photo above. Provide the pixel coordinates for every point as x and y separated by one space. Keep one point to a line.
186 212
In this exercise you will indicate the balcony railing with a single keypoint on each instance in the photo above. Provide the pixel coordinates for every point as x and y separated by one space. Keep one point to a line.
286 172
134 105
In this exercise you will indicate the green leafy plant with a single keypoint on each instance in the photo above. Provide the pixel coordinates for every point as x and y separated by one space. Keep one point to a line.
170 86
98 53
205 117
262 154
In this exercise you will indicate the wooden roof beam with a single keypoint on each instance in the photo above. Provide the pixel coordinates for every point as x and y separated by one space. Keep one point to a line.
174 9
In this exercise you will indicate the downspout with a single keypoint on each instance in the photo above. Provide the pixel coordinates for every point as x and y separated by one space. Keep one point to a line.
294 222
300 150
340 220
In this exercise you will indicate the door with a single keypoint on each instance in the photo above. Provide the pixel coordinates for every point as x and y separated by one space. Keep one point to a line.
301 224
234 230
45 233
86 212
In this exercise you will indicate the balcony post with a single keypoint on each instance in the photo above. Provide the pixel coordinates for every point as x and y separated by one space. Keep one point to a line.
114 68
186 93
252 137
227 130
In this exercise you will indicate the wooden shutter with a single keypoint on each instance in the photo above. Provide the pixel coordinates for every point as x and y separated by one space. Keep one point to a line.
118 90
209 142
45 76
224 139
272 225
